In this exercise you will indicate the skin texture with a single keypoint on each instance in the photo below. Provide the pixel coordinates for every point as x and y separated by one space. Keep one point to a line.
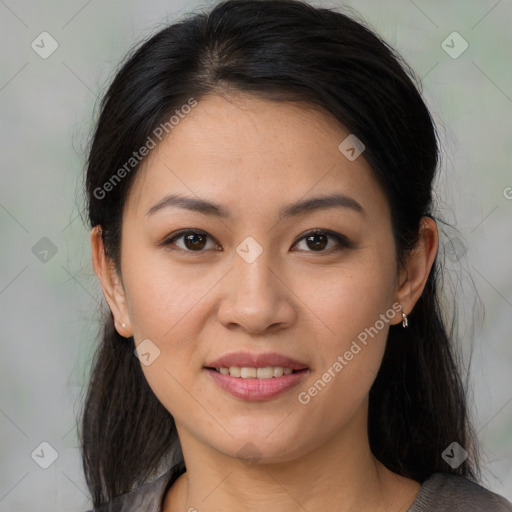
253 157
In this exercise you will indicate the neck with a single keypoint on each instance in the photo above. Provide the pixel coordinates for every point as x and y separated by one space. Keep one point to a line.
340 475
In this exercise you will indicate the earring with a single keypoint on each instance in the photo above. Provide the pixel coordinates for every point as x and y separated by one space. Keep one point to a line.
405 322
123 326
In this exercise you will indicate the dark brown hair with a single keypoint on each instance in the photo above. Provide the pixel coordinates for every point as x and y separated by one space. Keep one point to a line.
281 50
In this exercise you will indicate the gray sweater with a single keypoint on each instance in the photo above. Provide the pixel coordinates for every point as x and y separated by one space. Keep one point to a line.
442 492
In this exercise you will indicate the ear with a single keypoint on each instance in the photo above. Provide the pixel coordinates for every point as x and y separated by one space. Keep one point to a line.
419 262
111 283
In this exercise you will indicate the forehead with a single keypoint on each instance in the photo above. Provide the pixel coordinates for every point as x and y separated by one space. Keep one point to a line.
253 153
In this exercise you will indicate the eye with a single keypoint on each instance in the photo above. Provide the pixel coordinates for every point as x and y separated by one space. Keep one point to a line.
193 240
317 240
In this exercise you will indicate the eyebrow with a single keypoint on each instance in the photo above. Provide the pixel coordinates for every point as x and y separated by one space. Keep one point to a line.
292 210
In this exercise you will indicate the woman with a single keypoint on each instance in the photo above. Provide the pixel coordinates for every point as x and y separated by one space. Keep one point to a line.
259 190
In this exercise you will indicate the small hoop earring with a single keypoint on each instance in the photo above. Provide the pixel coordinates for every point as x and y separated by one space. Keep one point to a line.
405 322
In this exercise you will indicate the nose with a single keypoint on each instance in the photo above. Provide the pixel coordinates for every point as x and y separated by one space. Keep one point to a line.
256 297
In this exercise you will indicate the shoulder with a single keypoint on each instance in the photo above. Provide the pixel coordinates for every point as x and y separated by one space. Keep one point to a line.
444 492
147 498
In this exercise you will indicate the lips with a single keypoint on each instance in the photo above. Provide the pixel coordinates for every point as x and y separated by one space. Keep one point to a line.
230 371
254 390
246 359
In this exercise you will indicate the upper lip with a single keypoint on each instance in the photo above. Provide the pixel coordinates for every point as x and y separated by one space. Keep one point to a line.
255 361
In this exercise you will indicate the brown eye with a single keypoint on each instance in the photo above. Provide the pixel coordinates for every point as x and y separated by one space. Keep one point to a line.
193 241
317 240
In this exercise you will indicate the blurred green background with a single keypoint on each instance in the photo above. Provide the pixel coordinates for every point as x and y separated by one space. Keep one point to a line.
49 298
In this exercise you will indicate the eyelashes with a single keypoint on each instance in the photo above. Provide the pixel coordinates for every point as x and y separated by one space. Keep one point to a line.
196 241
314 235
192 237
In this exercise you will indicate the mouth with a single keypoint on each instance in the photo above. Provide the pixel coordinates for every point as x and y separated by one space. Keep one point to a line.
251 377
260 373
256 384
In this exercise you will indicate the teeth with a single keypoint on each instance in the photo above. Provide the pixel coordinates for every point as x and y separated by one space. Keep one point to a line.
278 371
235 371
265 373
246 372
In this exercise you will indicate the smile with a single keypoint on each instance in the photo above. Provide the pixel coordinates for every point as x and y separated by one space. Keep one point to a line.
255 384
246 372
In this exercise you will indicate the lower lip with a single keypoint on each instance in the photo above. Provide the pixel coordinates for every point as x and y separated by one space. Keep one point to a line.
257 389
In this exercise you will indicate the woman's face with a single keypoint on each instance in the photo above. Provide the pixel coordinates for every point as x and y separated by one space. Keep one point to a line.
252 281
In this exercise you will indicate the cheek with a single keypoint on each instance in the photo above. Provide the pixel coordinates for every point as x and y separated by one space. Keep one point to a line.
169 304
355 309
165 307
351 298
159 296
